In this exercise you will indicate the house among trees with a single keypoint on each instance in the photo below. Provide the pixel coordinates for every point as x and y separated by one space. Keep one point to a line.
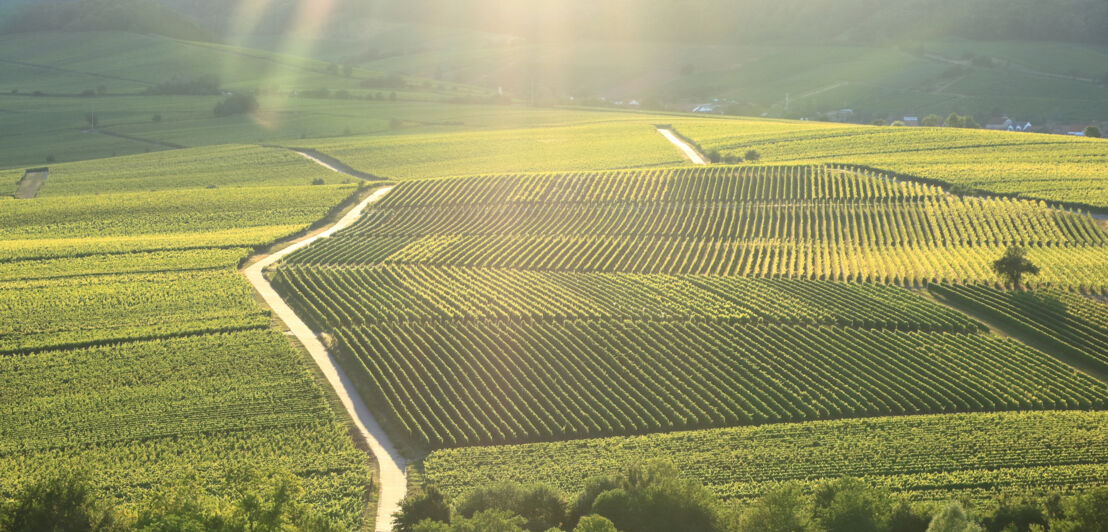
1006 124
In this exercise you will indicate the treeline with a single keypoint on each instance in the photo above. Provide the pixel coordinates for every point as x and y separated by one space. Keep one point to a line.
652 497
714 21
68 502
138 16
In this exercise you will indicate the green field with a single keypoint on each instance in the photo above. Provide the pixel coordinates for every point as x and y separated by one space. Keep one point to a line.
817 222
928 457
550 291
494 309
132 348
1055 168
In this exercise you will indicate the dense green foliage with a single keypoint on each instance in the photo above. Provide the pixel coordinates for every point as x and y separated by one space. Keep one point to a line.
652 496
1066 322
816 222
926 457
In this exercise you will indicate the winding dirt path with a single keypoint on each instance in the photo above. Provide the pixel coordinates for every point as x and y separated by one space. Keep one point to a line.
391 464
689 152
333 164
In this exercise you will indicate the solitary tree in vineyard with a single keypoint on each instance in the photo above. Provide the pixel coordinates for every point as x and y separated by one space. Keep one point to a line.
1013 265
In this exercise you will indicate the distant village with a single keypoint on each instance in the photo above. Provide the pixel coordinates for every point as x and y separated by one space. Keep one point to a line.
996 123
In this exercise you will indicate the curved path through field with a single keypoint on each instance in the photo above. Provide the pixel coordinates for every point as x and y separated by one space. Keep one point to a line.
690 152
389 461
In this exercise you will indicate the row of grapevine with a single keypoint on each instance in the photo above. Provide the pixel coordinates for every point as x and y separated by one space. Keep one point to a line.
1081 267
335 297
1078 324
927 457
931 221
717 183
456 383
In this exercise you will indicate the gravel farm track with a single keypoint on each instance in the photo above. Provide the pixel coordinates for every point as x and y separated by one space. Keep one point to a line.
392 475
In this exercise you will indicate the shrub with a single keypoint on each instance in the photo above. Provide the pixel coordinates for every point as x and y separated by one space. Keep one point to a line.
419 506
1093 132
236 104
752 155
714 156
932 121
595 523
782 510
62 503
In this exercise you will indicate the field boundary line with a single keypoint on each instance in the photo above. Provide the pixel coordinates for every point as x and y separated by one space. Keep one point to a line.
391 465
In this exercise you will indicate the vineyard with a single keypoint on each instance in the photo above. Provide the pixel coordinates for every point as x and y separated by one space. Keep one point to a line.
928 457
468 382
132 349
1066 321
811 222
614 142
537 307
340 297
1056 168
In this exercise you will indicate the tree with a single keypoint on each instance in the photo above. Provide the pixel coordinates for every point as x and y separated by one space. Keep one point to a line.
752 155
905 519
1087 512
1013 265
427 503
181 511
714 156
595 523
781 510
347 70
1093 132
540 506
878 122
932 121
65 503
236 104
848 505
898 123
953 120
1014 514
483 521
952 518
652 497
